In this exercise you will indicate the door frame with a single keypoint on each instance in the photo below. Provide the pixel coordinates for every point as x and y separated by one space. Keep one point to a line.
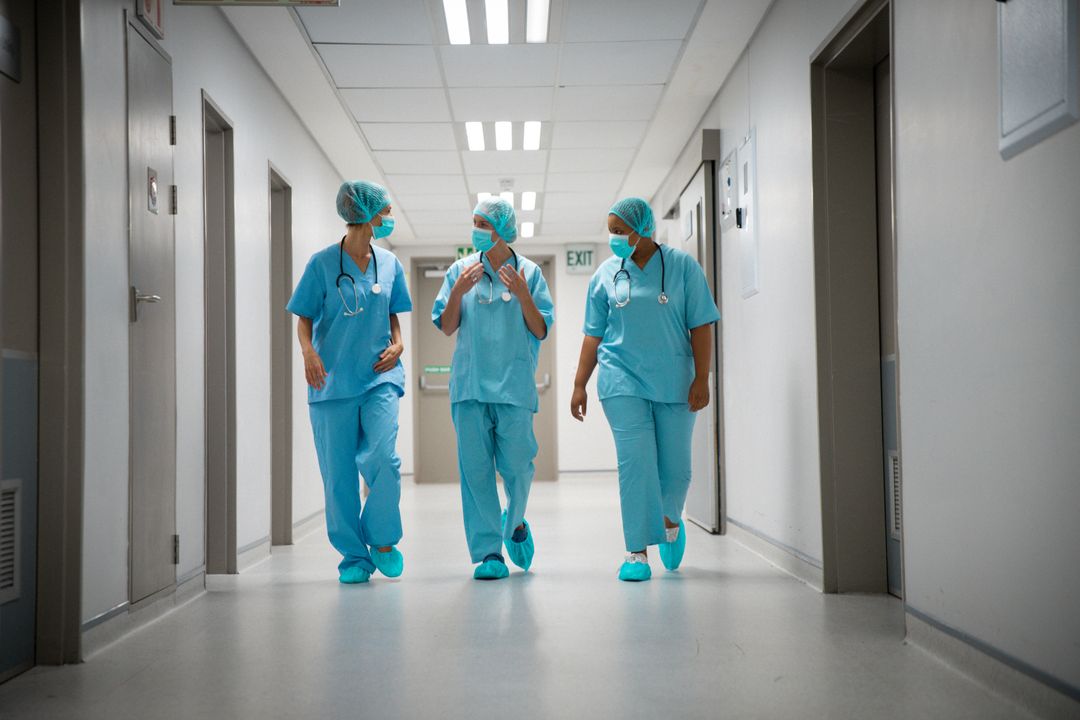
220 377
281 359
847 305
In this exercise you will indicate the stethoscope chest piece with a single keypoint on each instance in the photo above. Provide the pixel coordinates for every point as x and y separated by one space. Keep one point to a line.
662 298
506 296
376 289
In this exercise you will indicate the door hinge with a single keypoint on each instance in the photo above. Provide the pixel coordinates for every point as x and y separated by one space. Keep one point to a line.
175 549
173 201
172 129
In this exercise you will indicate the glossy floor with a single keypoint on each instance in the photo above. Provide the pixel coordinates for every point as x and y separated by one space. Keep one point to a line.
728 636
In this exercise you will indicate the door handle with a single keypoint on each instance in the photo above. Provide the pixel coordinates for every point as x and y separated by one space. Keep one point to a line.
542 386
432 388
138 297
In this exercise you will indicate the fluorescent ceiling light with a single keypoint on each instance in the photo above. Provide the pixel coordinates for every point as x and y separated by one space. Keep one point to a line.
528 200
474 131
532 135
536 21
508 196
457 21
526 229
504 135
498 21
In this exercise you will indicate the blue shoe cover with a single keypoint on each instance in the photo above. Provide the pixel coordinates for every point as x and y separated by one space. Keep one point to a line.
635 571
521 553
389 563
491 569
671 554
354 575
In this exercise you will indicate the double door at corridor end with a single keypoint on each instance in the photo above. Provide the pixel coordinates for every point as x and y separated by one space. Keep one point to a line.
436 443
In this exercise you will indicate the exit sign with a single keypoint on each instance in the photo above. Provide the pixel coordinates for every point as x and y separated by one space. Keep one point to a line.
580 259
465 251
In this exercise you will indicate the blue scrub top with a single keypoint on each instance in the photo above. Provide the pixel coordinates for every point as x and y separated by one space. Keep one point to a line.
350 346
645 348
496 354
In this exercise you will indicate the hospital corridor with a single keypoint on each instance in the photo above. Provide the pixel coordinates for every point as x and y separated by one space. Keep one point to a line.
539 359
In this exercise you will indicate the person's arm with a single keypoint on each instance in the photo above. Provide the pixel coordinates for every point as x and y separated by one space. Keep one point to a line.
450 319
314 372
701 344
516 283
586 364
389 357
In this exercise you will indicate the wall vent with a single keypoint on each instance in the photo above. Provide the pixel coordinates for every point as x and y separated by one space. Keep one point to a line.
10 519
895 511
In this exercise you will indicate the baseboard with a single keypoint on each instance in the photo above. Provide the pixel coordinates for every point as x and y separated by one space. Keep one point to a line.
1008 677
252 554
15 671
306 526
789 560
118 623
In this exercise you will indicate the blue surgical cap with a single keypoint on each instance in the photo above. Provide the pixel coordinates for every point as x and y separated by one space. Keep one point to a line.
501 215
636 213
359 200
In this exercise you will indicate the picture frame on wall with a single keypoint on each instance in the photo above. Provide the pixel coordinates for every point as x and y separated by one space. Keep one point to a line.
152 15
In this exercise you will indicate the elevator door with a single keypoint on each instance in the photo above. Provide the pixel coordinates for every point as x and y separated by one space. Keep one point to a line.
152 331
436 443
887 308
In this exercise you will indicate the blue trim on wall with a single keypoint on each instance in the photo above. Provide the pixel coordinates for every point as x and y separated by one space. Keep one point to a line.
1001 656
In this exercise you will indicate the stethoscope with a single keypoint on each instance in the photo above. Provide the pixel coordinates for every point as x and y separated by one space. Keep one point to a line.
376 288
662 298
491 283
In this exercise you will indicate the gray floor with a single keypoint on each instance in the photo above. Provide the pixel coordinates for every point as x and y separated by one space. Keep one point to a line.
728 636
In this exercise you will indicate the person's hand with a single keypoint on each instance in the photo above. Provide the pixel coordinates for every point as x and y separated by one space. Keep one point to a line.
388 359
514 282
699 394
468 278
314 372
578 403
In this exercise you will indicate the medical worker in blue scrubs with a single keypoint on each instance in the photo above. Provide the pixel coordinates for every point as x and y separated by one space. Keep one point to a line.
347 302
498 303
648 323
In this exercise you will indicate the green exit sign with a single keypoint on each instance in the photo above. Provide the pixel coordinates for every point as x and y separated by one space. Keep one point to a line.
580 259
465 251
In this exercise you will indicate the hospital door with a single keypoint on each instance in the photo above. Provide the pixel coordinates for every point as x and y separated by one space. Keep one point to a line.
436 443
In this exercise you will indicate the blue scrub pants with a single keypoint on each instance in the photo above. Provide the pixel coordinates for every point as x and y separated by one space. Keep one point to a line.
652 442
493 436
353 437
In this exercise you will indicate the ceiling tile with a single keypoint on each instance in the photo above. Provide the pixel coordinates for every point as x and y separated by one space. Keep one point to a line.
625 102
460 202
398 105
504 103
494 162
406 162
500 65
566 200
594 217
584 182
423 184
624 63
596 229
600 20
591 159
598 134
455 232
371 21
410 136
461 218
522 182
389 66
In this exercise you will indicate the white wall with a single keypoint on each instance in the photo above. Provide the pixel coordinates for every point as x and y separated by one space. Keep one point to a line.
989 310
582 447
206 55
770 368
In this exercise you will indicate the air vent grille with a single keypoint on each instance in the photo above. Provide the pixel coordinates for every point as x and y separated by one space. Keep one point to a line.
10 500
895 511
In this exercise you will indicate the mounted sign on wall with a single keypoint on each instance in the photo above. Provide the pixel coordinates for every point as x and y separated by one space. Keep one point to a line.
746 215
274 3
580 259
152 15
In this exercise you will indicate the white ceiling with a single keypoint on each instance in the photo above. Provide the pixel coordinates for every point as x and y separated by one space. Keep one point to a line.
599 85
